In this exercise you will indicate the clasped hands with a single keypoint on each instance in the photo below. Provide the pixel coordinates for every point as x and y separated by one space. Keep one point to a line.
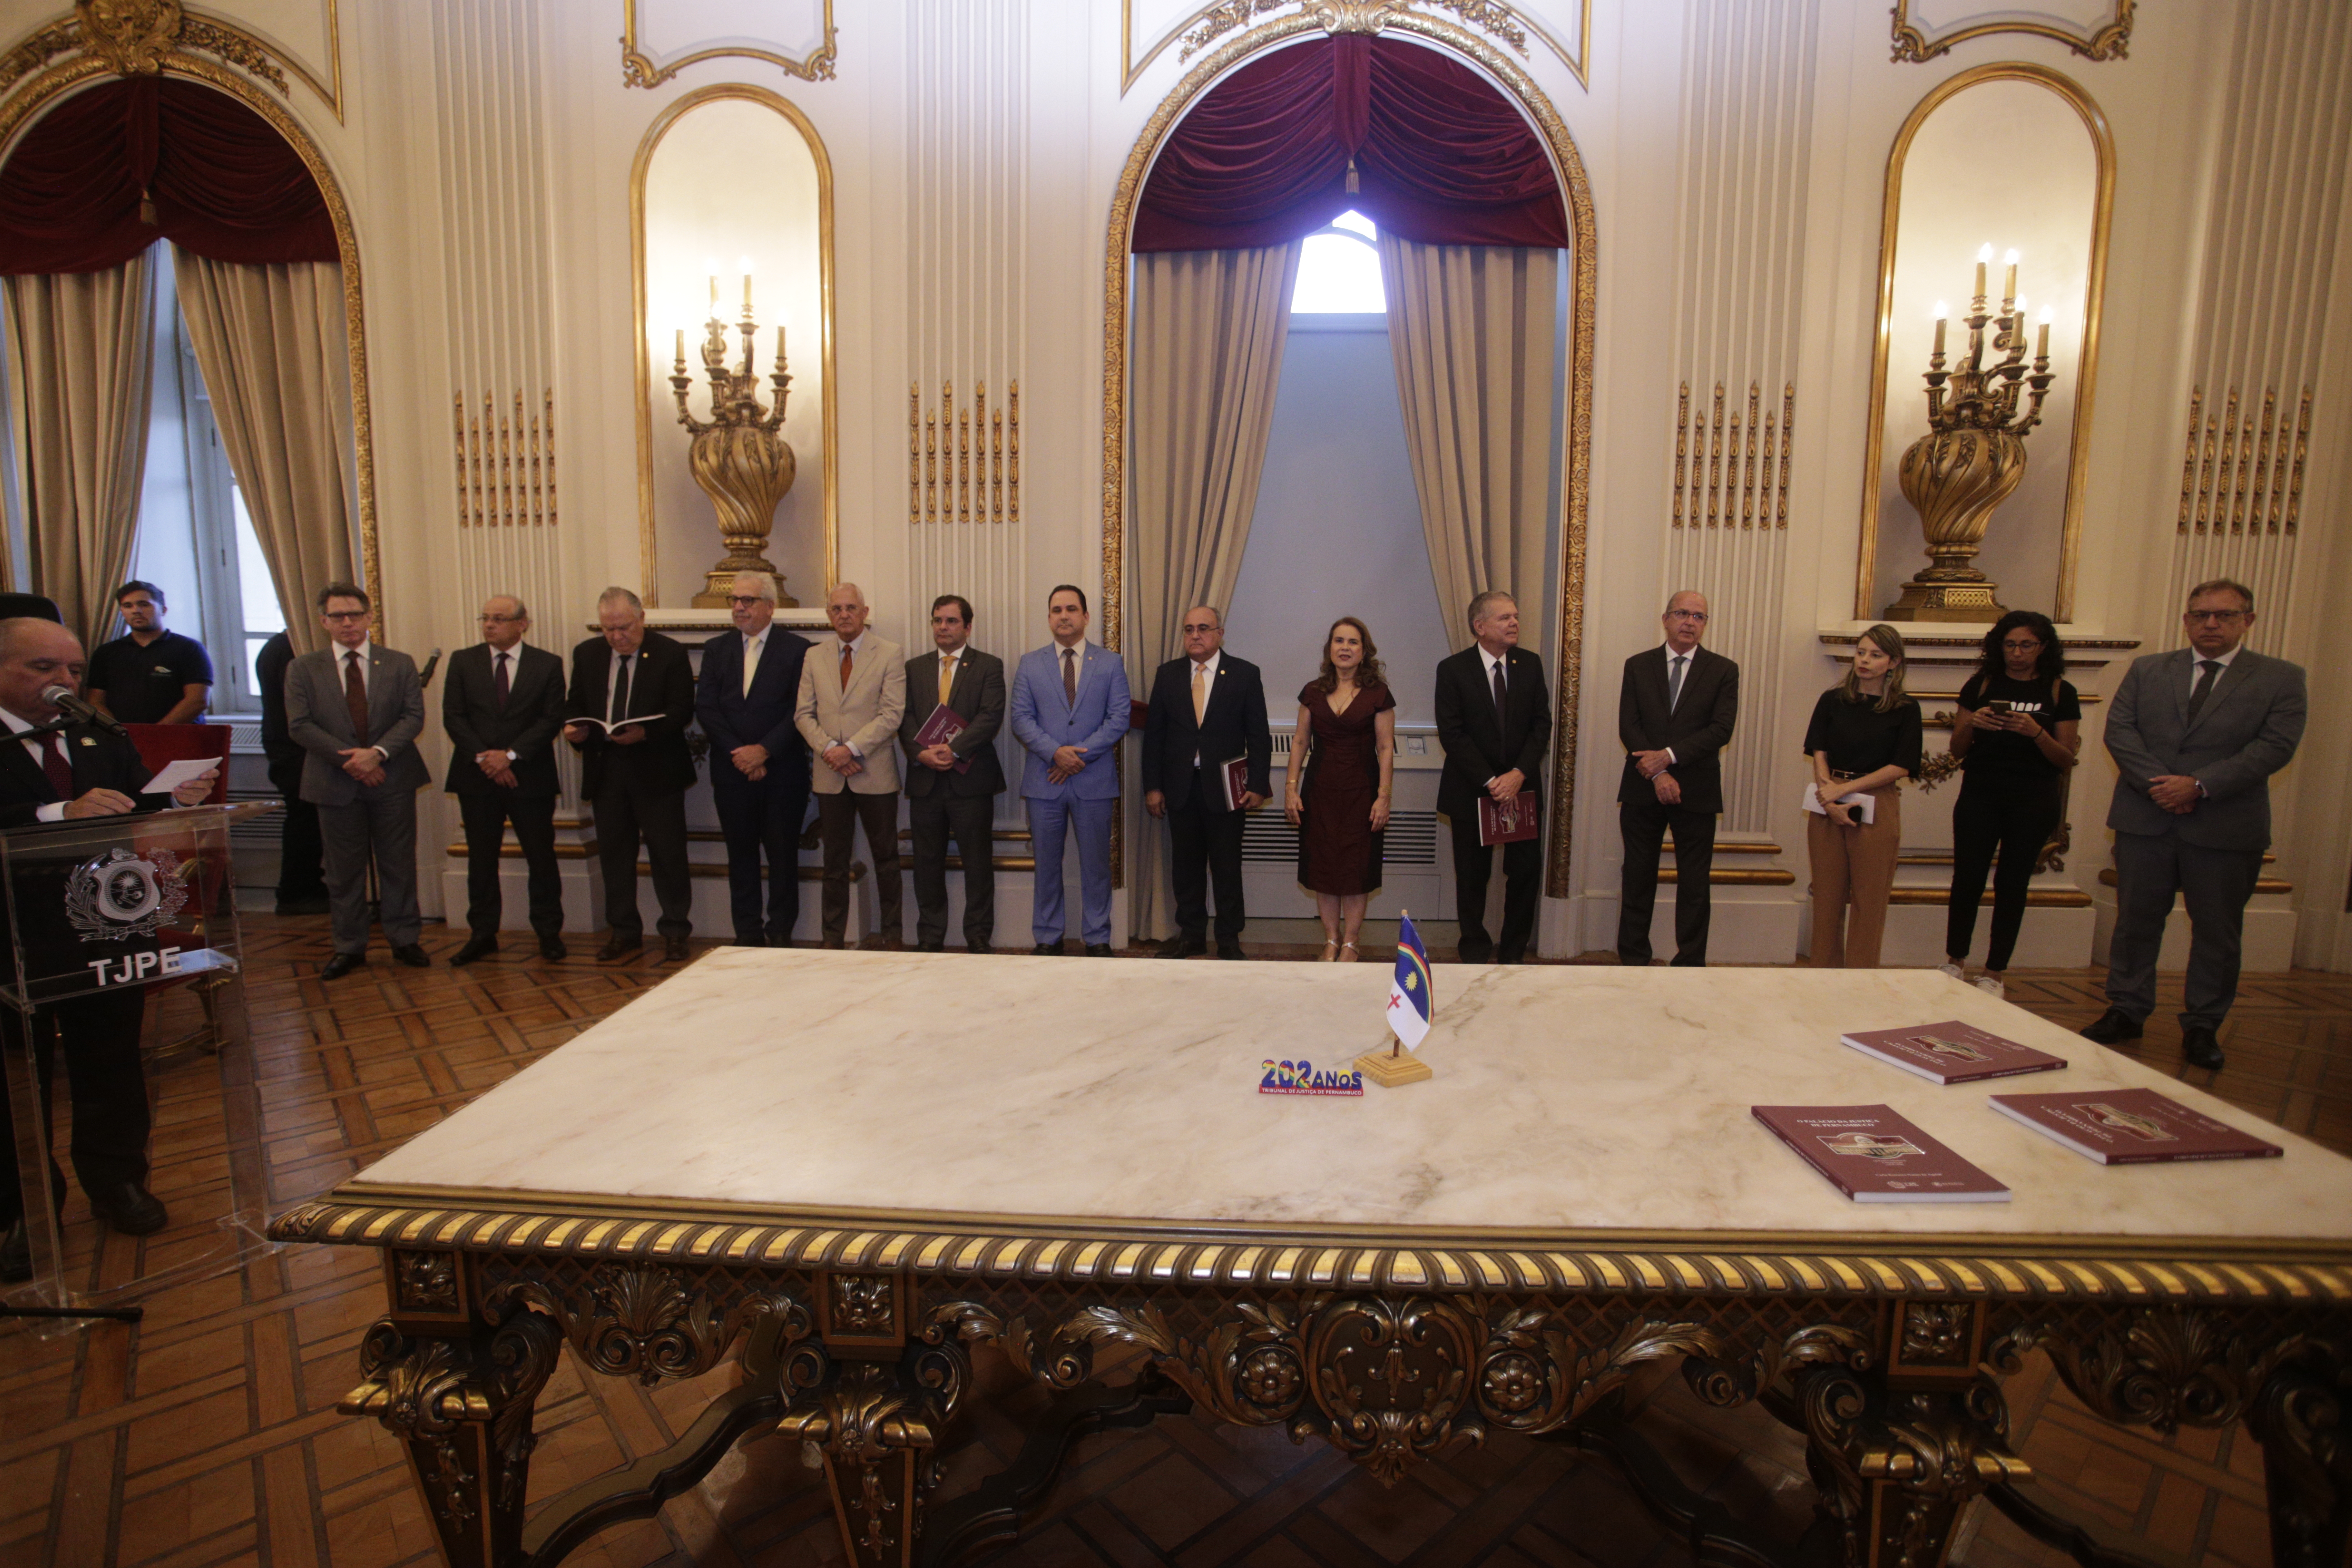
364 763
495 767
939 758
2176 793
1652 766
843 761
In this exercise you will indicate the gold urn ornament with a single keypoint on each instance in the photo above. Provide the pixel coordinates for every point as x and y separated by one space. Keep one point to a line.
1972 458
738 457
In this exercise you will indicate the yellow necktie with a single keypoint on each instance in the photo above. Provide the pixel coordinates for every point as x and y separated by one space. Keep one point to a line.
947 677
1200 694
751 662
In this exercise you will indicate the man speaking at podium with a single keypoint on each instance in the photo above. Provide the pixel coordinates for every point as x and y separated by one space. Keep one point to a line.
78 771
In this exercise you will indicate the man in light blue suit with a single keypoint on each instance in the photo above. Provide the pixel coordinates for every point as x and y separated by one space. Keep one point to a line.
1070 708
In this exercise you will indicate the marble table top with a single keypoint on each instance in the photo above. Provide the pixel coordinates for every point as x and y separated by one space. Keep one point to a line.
1568 1102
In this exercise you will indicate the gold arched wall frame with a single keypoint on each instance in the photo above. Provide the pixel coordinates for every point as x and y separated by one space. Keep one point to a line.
1576 442
648 544
19 110
2095 290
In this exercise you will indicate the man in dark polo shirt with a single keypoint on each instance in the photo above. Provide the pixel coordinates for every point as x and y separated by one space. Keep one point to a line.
148 675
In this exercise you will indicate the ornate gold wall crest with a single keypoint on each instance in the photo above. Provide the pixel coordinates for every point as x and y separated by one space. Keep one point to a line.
136 37
1212 21
640 70
2108 41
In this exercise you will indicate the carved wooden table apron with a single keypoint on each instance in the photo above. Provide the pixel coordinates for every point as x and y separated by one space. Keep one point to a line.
1496 1250
860 1344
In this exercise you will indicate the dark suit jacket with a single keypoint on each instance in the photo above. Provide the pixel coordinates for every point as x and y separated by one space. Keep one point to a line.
2248 729
1478 743
979 696
275 657
100 761
533 718
1234 726
662 683
1696 732
320 724
764 718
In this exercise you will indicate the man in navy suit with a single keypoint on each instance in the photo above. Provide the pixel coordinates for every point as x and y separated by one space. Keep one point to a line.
503 705
1207 710
759 766
1070 706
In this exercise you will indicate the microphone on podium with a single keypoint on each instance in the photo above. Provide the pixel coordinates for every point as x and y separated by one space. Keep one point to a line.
63 699
424 676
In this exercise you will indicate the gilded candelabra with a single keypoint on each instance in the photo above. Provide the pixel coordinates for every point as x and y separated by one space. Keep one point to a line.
738 457
1973 455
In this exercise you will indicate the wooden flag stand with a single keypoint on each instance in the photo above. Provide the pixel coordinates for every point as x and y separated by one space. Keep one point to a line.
1392 1068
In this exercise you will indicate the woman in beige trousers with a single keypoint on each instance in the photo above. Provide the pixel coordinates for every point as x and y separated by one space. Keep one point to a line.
1864 741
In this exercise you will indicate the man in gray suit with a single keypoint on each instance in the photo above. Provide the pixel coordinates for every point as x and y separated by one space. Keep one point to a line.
2196 735
355 709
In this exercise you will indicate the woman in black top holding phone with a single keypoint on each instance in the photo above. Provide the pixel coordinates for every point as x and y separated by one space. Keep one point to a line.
2017 731
1864 742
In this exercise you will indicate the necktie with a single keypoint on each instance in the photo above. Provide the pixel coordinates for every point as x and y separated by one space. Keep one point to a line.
847 661
621 690
1674 681
355 697
1200 694
2209 669
500 686
751 662
54 764
1070 675
947 677
1501 697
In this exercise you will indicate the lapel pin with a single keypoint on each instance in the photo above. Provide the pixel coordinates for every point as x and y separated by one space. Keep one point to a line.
88 741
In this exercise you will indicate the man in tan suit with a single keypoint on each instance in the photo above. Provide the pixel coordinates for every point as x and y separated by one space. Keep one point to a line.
852 694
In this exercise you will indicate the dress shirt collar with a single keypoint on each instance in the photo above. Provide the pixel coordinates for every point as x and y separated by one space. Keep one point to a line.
855 647
1205 666
755 641
366 650
1672 655
15 726
514 653
2197 660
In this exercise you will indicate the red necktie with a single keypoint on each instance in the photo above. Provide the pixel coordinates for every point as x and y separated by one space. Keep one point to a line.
846 661
355 697
54 764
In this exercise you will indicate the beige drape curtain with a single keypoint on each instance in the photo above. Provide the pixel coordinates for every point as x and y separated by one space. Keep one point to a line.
1472 329
81 366
272 344
1206 356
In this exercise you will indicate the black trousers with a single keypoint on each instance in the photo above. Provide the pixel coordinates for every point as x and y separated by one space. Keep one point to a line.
1474 866
837 818
99 1038
760 817
1643 825
624 815
1205 849
301 853
2214 885
486 814
972 820
1994 814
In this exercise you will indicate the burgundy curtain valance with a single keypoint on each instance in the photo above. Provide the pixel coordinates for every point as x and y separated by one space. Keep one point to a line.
211 174
1441 157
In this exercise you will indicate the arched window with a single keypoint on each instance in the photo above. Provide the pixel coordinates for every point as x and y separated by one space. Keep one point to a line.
1339 269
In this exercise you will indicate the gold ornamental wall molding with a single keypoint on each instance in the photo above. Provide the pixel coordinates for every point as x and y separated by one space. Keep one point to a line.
649 540
2244 475
964 464
2108 41
85 70
640 70
2093 300
133 39
1742 474
1510 24
1576 443
506 462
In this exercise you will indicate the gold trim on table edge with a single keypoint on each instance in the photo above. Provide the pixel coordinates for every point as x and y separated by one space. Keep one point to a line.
1958 1268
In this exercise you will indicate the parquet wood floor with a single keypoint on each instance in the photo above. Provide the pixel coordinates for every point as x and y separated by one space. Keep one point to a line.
206 1433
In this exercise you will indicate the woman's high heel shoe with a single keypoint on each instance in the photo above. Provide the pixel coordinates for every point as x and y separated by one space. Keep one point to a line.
1330 951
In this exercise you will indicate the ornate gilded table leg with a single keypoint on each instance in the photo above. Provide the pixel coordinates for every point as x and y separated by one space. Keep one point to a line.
2299 1419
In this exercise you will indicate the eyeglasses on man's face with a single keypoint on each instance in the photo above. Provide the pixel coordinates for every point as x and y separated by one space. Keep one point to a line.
2216 617
1699 615
498 620
745 601
345 615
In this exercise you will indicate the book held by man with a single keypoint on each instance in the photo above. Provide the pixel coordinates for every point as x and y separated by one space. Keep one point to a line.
1875 1155
1233 781
609 726
2130 1127
1951 1052
1505 821
942 727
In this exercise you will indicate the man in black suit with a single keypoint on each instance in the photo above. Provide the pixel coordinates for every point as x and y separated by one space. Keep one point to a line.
1493 719
502 707
745 696
1207 709
942 801
301 853
636 774
1675 716
77 772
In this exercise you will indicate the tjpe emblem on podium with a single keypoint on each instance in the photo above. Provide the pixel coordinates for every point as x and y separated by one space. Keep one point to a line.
120 894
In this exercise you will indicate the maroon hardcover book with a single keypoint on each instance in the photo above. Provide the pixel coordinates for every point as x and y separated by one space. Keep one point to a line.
944 725
2131 1127
1951 1052
1233 778
1874 1156
1505 821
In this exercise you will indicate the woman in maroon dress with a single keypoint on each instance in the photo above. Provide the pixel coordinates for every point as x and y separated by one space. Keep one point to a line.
1342 755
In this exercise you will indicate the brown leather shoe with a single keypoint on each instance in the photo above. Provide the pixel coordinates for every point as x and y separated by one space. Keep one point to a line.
619 948
674 950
